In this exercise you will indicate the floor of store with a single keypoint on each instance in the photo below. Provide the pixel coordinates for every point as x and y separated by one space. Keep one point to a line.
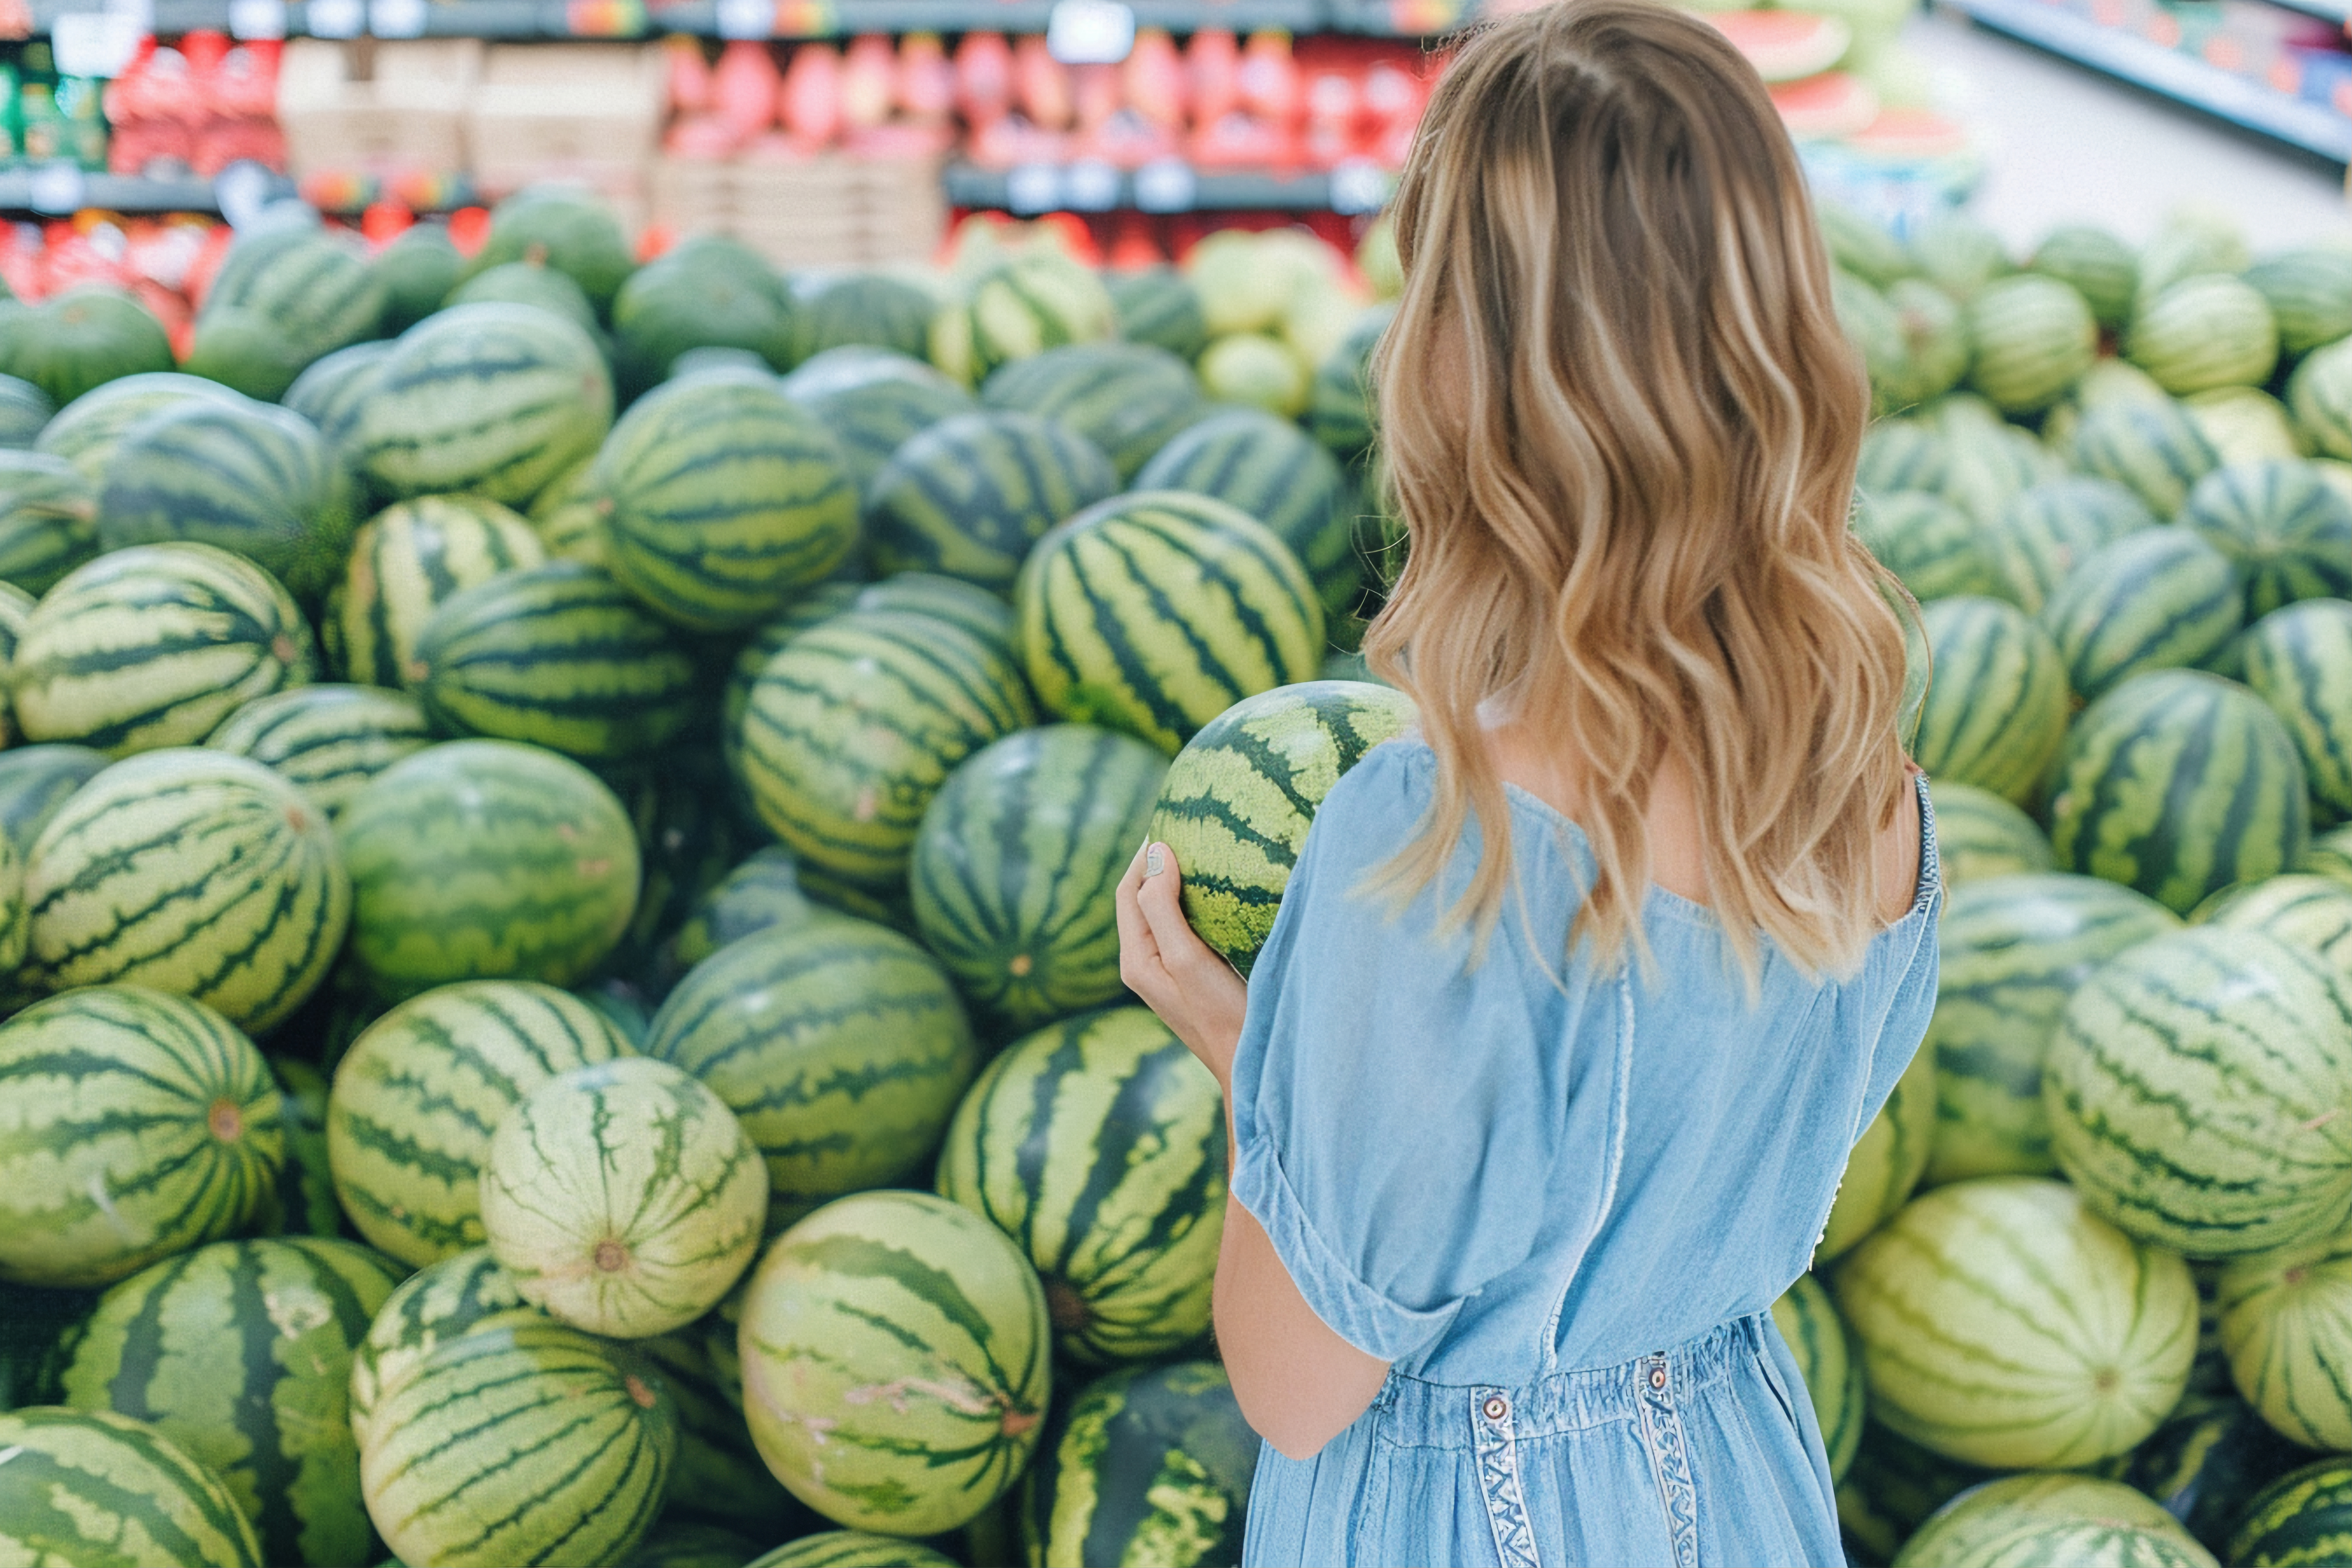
2064 144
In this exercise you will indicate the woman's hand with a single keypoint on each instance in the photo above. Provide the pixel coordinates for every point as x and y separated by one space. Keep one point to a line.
1179 976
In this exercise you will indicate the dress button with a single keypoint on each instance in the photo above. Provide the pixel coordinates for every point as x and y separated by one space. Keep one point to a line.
1496 1407
1657 1378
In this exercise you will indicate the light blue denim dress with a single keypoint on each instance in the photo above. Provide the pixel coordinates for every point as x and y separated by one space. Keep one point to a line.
1560 1199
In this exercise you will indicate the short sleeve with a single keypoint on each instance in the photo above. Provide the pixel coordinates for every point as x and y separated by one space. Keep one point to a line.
1387 1097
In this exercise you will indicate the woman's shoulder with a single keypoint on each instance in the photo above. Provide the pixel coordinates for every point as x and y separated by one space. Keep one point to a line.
1396 780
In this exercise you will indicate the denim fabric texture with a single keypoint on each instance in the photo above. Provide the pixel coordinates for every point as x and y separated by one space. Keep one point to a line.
1560 1199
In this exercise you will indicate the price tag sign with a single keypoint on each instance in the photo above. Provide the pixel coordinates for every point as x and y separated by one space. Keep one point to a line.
754 19
1033 187
1090 32
257 18
94 44
396 18
1166 185
1358 185
1090 185
58 188
334 18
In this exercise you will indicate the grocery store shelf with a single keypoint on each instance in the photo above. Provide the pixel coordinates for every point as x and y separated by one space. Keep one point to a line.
2180 77
57 190
1165 188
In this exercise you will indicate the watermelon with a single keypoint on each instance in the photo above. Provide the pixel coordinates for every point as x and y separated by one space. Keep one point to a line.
2246 424
304 1203
2001 1322
2299 1521
101 1490
2190 1085
1904 455
2295 659
839 1044
82 338
532 283
906 1291
768 888
24 410
2159 599
34 781
2319 395
2308 910
1127 400
690 1545
1886 1162
1807 1320
720 1476
1936 550
558 655
325 741
1148 1463
497 399
314 287
2178 784
439 1466
1098 1145
874 402
192 871
2034 337
1785 45
41 1323
852 1548
2288 531
2286 1323
1018 308
970 495
133 1125
2204 331
2013 951
2047 529
623 1198
874 310
420 1092
334 390
1015 864
727 498
49 518
241 1353
565 228
1893 1487
2153 449
87 431
1240 796
2060 1520
1103 637
463 1292
1157 305
486 859
2309 292
1991 461
2100 267
1273 471
1956 253
851 729
1997 707
405 562
1342 407
1256 371
2206 1463
154 646
1860 244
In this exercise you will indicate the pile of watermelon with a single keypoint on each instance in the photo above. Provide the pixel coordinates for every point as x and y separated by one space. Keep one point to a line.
559 989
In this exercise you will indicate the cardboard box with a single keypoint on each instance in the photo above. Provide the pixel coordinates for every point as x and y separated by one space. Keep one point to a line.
585 112
827 212
377 106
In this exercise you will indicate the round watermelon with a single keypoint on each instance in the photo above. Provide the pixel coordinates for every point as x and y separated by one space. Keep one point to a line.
463 1292
1980 836
80 339
101 1490
852 1548
1153 1461
2159 599
2286 1324
49 518
2203 331
2047 529
2287 531
864 310
1017 307
2295 1519
1272 470
2153 449
1886 1162
875 401
2034 1520
969 496
1935 549
2319 395
1808 1321
325 741
2100 267
1127 400
404 562
1159 305
1996 710
2298 660
2032 336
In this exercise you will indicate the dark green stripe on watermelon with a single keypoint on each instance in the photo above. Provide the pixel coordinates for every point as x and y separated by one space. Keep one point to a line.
1127 400
2287 528
101 1490
969 496
1272 470
48 520
1155 1459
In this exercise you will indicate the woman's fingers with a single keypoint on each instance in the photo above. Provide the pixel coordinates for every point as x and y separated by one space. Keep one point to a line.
1160 900
1139 951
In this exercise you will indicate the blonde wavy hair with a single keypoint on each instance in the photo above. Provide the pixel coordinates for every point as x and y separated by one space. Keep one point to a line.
1620 423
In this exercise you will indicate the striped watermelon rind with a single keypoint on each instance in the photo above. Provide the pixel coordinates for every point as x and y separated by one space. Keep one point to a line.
405 562
1997 705
2286 1325
1808 1321
1886 1162
2046 1520
2296 1518
443 1300
1149 1461
969 496
1126 399
2159 599
326 741
49 518
2207 330
852 1548
2296 659
1269 469
102 1491
1979 836
2285 528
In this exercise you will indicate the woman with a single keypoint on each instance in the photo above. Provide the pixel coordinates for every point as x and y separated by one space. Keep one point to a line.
1540 1089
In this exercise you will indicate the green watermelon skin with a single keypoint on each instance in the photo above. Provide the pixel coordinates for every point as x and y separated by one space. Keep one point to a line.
2207 1462
1885 1166
2171 1075
191 871
852 729
495 399
2003 1324
727 497
2287 529
241 1353
419 1093
556 656
1147 1461
874 402
2034 337
2205 331
48 520
2285 1319
132 1125
1239 799
2309 291
2100 267
871 309
304 1203
563 227
839 1044
1905 454
445 1300
438 1466
673 1546
2295 660
87 429
2053 1520
2013 950
1895 1485
326 741
1098 1146
2303 1518
1341 407
969 496
1997 705
1267 468
767 889
2319 395
315 289
2153 449
1934 548
2158 599
2178 784
852 1548
101 1490
1016 862
1017 307
153 646
569 515
1127 400
535 284
486 860
24 410
35 782
405 562
720 1477
332 392
1104 644
80 339
877 1288
1979 836
1158 305
2047 529
1807 1320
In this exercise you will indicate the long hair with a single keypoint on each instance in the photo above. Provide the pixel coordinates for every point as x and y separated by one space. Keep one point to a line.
1620 422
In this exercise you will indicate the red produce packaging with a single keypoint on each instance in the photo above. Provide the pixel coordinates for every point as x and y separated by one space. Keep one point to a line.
1240 141
869 81
901 139
700 136
743 88
1127 140
984 78
244 85
1012 139
810 102
1268 78
1213 65
1390 89
1096 92
1154 77
204 50
1041 85
690 86
927 81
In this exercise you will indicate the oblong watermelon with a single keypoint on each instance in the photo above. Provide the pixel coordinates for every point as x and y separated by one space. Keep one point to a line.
1152 1461
49 518
325 741
1996 703
1016 308
101 1490
406 561
971 496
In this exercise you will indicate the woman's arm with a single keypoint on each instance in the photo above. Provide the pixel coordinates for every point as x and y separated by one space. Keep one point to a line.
1299 1385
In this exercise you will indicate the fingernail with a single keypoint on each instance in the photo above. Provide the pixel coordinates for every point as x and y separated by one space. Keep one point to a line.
1151 860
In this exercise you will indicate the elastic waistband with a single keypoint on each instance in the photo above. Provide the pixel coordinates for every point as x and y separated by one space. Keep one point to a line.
1439 1415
